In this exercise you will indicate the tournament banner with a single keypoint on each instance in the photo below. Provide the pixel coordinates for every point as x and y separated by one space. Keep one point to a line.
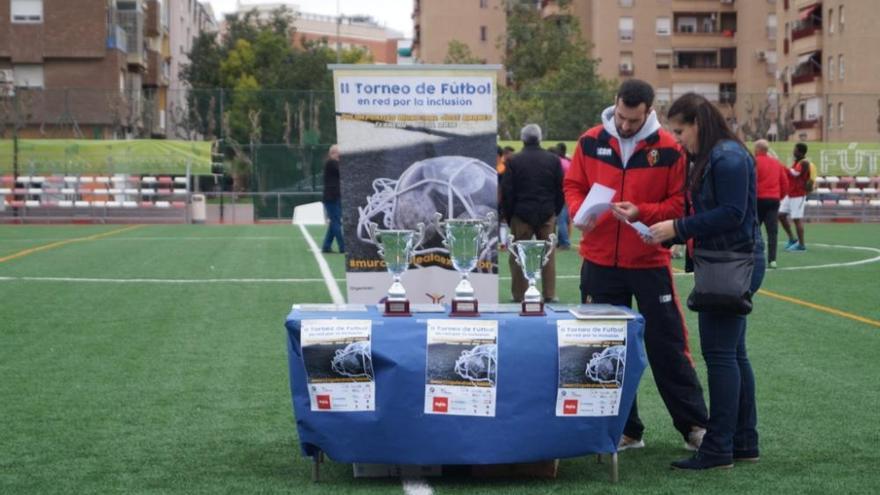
415 140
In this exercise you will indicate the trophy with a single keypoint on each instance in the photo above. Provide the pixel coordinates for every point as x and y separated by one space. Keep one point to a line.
531 256
464 237
396 248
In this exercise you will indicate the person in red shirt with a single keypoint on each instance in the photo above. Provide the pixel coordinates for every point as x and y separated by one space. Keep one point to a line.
793 204
772 187
630 153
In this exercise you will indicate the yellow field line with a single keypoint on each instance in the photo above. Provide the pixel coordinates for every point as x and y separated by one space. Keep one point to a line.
818 307
54 245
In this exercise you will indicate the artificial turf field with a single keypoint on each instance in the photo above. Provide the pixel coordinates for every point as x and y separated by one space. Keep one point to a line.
153 359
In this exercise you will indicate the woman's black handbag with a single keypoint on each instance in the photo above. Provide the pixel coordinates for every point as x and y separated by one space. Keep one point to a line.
722 281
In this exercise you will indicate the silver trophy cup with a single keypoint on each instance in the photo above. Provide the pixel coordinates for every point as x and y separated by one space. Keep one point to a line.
464 238
531 256
396 248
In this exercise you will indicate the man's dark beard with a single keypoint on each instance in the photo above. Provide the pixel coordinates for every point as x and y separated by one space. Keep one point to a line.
628 135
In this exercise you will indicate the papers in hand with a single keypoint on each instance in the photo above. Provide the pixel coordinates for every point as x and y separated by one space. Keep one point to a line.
643 230
598 201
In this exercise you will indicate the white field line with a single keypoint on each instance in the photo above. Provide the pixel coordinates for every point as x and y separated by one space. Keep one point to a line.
416 486
332 286
170 280
320 259
166 238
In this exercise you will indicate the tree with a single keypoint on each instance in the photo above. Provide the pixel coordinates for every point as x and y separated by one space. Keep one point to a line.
552 79
458 52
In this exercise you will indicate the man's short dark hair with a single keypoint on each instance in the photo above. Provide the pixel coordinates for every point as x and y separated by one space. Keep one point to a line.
634 92
509 149
801 148
561 149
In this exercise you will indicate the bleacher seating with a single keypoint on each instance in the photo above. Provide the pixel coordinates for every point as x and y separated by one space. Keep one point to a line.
117 198
845 198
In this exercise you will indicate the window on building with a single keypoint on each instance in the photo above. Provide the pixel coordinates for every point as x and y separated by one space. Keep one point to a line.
830 21
28 75
625 28
840 67
664 26
627 3
663 59
829 117
26 10
626 64
830 68
663 97
840 17
840 115
484 4
484 34
771 27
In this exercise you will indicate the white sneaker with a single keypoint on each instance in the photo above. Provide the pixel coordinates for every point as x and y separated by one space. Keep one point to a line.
630 443
695 439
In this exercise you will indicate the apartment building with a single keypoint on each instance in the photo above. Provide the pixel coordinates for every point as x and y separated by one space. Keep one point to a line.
723 49
348 32
90 68
187 19
480 24
829 64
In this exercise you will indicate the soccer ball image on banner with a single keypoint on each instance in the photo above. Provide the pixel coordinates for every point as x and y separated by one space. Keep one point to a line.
456 186
608 366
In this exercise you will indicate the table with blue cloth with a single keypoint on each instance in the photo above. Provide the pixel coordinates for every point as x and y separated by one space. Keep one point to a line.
525 427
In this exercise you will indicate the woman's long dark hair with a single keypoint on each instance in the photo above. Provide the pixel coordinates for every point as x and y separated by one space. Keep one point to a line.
711 127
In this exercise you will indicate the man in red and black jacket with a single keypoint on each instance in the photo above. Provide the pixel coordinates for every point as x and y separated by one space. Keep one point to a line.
772 187
631 154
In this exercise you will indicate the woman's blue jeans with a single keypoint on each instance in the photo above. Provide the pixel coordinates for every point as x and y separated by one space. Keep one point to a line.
334 231
733 416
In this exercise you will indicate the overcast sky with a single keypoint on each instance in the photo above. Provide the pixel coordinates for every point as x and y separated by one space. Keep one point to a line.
395 14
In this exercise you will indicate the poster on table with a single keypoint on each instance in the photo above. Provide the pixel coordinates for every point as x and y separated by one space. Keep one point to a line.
339 365
592 360
415 141
461 367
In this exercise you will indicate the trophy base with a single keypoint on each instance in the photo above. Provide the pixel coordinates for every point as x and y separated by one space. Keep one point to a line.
397 308
532 308
464 308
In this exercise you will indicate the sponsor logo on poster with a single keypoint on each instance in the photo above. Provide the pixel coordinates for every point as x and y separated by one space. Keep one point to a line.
441 404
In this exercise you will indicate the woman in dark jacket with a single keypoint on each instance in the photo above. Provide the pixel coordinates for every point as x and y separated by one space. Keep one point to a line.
721 188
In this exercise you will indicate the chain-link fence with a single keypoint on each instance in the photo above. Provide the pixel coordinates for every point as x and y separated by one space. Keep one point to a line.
272 143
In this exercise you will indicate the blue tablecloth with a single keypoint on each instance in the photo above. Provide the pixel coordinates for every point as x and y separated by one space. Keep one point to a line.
525 427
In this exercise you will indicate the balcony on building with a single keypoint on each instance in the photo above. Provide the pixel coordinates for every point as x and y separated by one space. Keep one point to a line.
705 24
808 68
155 74
705 59
153 18
116 38
809 22
807 113
130 17
625 69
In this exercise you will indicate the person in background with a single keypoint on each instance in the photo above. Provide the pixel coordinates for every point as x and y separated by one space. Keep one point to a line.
332 200
772 187
500 167
630 153
793 204
563 223
531 198
722 188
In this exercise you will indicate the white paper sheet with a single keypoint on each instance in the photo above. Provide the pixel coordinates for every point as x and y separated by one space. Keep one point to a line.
598 201
642 229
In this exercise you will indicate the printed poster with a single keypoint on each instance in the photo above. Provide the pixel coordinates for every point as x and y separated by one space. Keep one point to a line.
461 372
339 365
592 361
413 141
